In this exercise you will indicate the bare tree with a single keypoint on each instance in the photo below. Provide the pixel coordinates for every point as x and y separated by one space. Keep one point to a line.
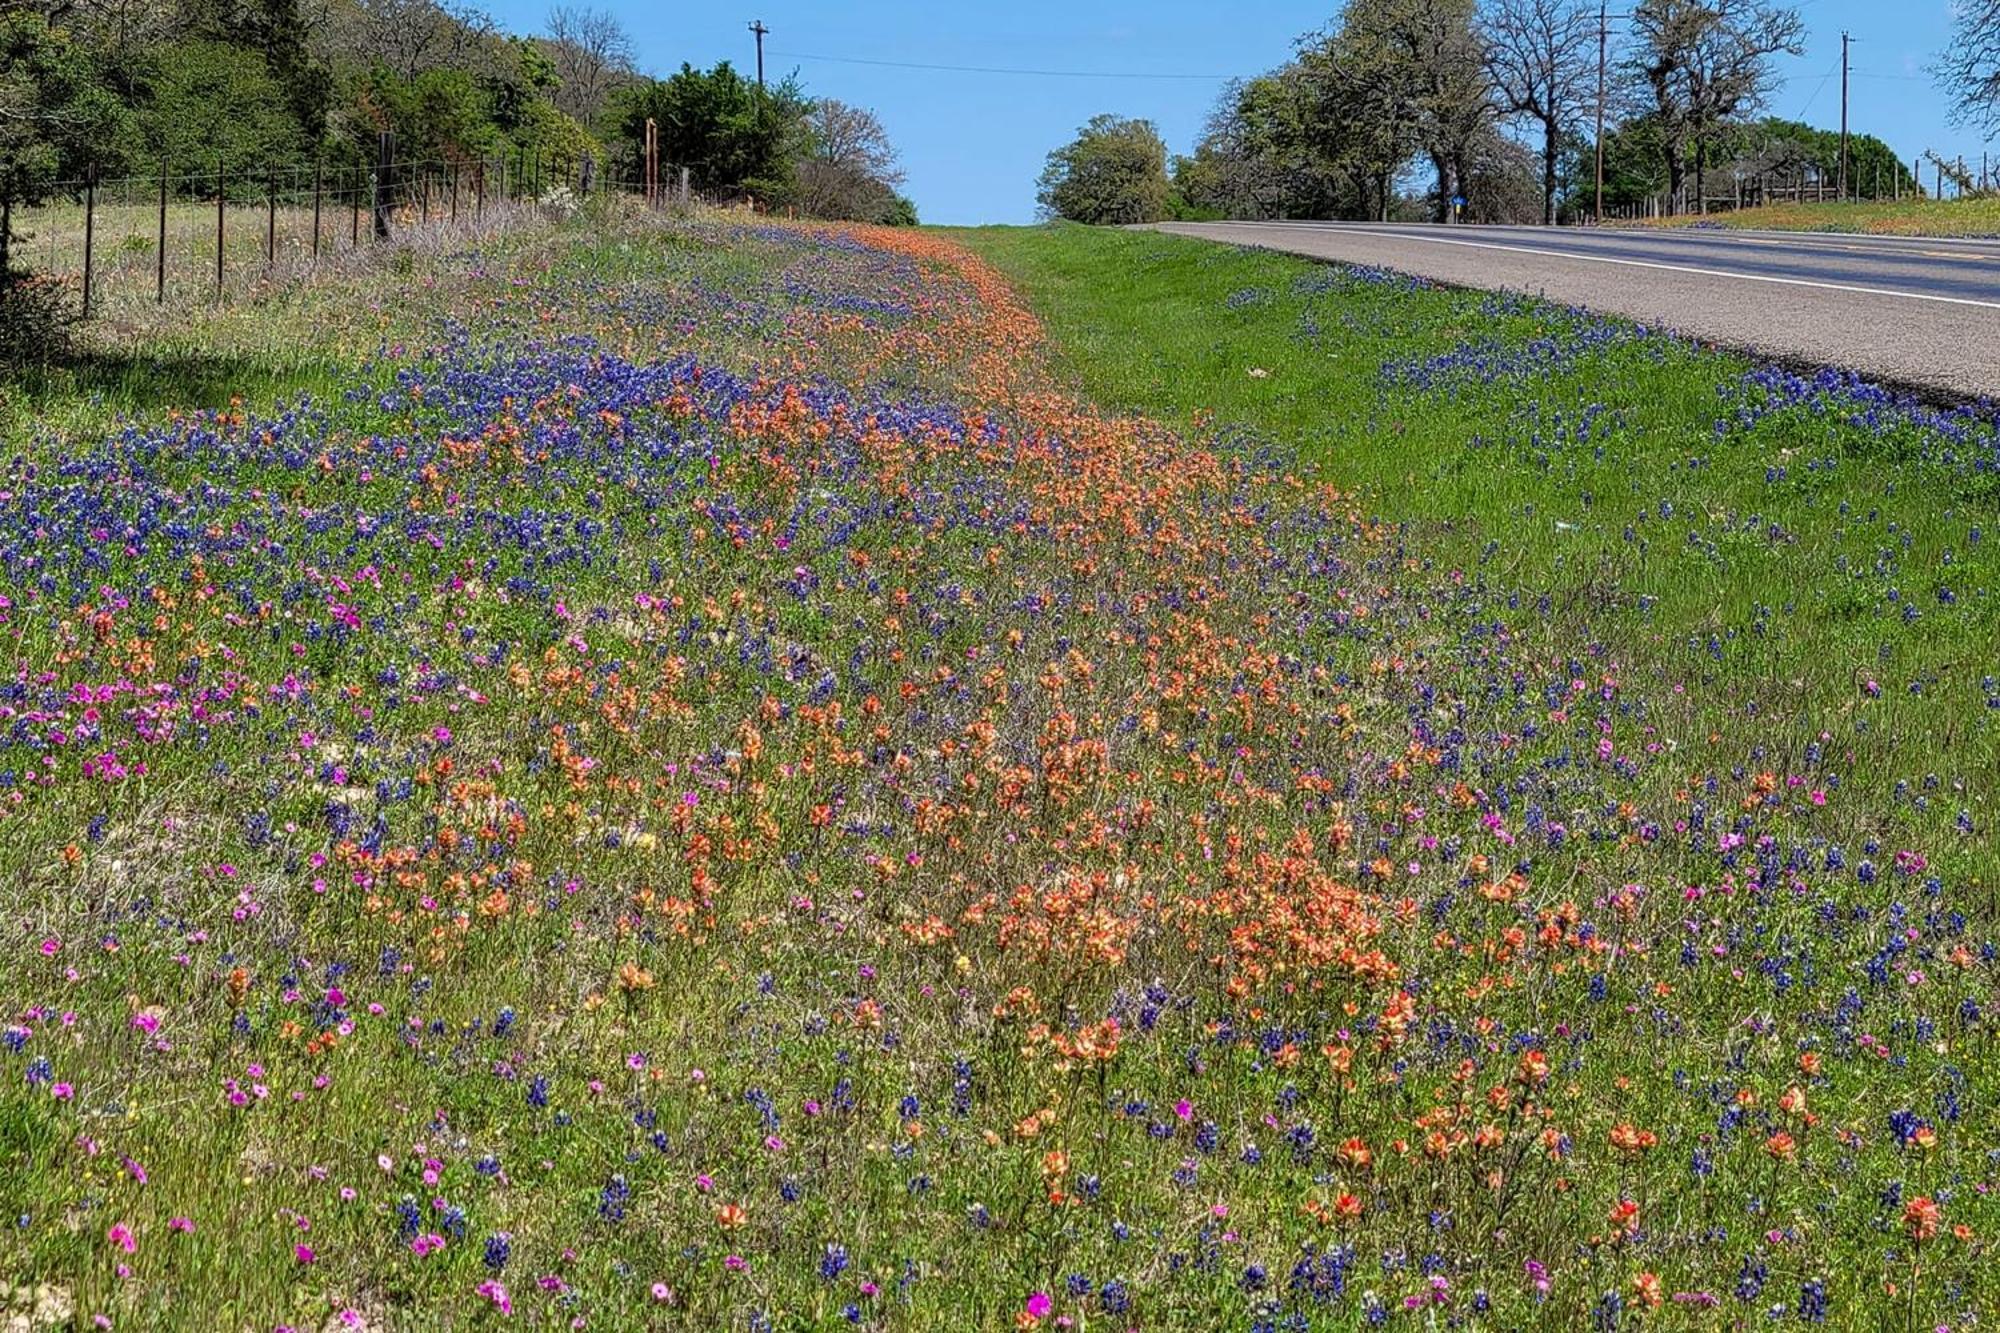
1538 53
593 57
411 37
1969 69
852 136
849 169
1703 64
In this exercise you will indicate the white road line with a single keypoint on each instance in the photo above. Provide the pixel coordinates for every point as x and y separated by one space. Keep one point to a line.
1546 253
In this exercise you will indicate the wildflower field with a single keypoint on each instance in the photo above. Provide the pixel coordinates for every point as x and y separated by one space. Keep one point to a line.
688 773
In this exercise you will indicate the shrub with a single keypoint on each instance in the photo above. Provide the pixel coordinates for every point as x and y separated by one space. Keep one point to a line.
37 313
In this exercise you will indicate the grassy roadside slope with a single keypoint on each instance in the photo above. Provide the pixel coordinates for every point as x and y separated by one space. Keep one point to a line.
1909 217
1801 557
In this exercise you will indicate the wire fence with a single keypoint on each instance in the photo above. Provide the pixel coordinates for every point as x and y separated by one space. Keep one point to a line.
177 238
1928 176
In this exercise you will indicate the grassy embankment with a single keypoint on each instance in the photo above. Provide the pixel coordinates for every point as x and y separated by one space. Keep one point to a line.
1773 558
694 785
1909 217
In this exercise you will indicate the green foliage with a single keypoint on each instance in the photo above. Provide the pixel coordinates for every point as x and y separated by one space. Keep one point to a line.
1113 172
1785 145
56 117
524 81
438 115
1773 149
212 101
36 315
555 136
730 134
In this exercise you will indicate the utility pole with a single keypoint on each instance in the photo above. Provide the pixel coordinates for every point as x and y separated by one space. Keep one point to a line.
1844 41
1603 41
757 26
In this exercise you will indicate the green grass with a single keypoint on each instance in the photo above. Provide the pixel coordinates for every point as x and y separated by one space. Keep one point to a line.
1908 217
1767 570
701 717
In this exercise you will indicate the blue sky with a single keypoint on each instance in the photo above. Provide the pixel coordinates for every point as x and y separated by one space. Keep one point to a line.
973 143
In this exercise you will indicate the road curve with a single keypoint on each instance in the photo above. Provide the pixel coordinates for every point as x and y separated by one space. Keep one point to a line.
1914 311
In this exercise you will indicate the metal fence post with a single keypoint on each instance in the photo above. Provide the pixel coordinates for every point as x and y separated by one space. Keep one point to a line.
316 198
221 193
89 232
270 215
479 193
160 260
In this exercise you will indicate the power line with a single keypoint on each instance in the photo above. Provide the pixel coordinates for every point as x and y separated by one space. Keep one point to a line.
1817 88
994 69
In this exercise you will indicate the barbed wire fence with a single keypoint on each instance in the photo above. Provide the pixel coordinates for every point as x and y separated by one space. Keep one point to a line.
177 238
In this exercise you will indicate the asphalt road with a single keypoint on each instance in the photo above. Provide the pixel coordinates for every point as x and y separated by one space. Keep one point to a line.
1913 311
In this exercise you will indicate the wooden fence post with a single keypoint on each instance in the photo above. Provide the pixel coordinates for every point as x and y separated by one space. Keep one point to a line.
384 150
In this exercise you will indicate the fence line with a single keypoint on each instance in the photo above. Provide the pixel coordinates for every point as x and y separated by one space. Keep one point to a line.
98 232
1952 179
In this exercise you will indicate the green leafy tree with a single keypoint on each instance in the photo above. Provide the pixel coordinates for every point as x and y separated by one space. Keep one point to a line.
209 102
1276 146
526 77
1113 172
730 134
439 115
1426 60
58 119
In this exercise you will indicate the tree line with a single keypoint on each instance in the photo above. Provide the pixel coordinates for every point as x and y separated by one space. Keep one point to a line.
1493 105
189 88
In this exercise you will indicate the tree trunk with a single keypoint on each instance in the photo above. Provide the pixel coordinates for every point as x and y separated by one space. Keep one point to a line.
1676 174
1443 165
1549 146
1701 176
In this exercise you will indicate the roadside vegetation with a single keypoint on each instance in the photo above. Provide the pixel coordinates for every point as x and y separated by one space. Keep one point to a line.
343 103
1485 110
1977 217
682 772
